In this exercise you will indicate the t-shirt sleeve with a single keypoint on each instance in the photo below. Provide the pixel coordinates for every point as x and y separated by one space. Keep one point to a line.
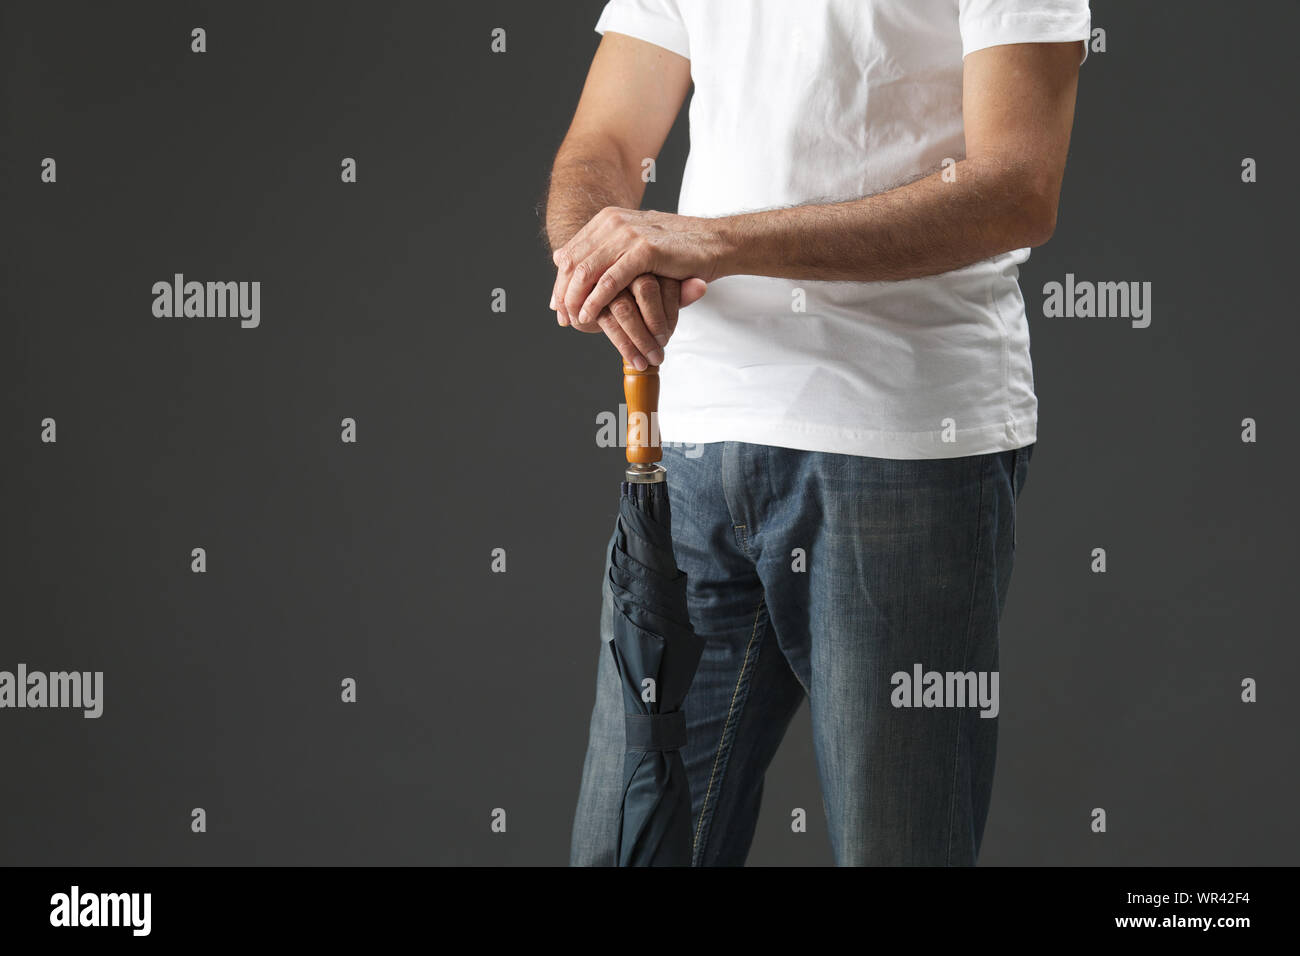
655 21
986 23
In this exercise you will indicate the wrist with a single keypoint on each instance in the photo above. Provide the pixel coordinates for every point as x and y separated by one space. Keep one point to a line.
720 248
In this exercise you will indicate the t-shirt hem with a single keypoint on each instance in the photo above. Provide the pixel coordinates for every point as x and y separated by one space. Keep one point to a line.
661 31
984 440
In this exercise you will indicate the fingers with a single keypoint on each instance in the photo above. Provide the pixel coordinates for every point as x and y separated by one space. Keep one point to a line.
604 275
671 293
619 336
583 278
693 290
627 314
579 247
565 265
623 326
575 273
578 276
641 318
561 282
590 324
652 299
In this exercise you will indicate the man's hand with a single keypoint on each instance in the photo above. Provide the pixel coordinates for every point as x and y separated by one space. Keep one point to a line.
633 93
617 246
640 319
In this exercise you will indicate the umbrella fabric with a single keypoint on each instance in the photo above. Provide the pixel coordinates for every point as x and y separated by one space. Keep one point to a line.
654 640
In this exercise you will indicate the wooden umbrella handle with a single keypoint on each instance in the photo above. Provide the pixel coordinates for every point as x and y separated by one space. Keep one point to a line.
641 390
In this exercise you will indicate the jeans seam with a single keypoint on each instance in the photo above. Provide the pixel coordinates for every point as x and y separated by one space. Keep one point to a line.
965 655
723 741
741 534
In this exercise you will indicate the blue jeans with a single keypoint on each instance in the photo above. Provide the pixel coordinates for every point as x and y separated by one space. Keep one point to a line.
827 576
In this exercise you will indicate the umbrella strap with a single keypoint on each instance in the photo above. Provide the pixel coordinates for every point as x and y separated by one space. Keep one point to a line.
656 731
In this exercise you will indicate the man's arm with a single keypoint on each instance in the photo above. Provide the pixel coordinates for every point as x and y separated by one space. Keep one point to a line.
633 93
1018 109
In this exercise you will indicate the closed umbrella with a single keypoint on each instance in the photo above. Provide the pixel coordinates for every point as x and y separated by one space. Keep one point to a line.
655 648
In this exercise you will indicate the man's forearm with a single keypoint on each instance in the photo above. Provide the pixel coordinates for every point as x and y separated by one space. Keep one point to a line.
924 228
591 174
587 176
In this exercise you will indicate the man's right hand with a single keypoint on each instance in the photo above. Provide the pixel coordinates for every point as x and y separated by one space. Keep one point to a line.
640 320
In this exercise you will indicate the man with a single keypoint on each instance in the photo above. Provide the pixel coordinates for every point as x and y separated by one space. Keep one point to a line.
853 387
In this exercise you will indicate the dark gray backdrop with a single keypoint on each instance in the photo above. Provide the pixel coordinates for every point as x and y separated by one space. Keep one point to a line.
477 430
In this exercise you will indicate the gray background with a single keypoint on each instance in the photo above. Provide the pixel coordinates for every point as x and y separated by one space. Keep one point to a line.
476 431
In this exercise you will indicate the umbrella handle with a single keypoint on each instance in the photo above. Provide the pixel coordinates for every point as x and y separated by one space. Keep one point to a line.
641 390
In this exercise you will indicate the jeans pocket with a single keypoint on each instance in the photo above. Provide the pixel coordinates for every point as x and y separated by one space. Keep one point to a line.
1019 473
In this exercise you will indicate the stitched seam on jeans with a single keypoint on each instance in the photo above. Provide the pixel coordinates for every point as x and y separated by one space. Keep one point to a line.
726 730
965 656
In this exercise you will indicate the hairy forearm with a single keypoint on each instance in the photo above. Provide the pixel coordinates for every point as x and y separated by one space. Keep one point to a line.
588 175
924 228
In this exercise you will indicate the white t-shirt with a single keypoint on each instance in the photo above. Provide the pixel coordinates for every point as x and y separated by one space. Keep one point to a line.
803 101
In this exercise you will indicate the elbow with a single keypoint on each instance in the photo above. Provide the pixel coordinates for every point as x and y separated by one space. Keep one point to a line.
1033 220
1021 195
1041 226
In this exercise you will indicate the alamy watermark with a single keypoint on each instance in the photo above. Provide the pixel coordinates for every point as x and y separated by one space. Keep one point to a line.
614 430
1083 299
208 300
76 908
83 690
922 688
